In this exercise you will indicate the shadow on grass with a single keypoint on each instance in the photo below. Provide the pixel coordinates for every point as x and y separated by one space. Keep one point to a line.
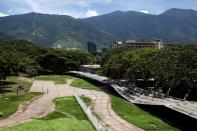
5 91
6 87
172 117
7 83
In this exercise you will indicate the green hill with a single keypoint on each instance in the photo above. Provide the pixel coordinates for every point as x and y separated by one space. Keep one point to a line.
173 26
52 30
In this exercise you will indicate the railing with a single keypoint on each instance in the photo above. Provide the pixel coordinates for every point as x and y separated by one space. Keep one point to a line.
92 118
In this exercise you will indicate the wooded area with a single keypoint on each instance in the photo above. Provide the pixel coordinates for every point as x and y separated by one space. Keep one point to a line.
19 56
173 69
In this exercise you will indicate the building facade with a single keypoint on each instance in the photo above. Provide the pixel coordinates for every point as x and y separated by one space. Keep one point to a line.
157 43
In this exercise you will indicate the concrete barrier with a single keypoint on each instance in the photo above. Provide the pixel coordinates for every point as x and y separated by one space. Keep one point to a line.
92 118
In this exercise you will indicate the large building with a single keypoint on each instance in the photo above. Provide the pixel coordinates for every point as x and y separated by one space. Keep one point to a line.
157 43
91 47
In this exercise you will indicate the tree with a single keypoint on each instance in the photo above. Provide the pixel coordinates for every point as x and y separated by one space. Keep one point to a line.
53 63
174 69
80 56
9 64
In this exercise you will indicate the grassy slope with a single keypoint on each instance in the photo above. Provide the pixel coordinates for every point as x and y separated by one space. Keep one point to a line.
86 100
129 112
9 102
81 83
138 117
58 79
61 124
77 82
67 116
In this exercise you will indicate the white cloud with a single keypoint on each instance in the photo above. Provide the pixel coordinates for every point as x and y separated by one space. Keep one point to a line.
87 3
35 6
74 8
73 13
91 13
3 14
144 11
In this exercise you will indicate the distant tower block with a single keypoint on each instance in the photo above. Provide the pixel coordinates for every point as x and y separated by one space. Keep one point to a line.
158 43
91 47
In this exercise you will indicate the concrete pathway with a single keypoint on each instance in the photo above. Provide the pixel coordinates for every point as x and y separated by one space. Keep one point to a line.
101 105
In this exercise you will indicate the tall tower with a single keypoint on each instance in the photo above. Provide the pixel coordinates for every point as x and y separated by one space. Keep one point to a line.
91 47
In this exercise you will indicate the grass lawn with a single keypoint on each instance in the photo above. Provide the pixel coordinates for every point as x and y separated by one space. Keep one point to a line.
58 79
81 83
86 100
61 124
67 116
9 101
77 82
138 117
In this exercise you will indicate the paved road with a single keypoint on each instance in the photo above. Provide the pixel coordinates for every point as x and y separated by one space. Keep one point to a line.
40 107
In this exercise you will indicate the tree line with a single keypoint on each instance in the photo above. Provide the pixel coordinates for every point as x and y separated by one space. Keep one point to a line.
171 71
20 56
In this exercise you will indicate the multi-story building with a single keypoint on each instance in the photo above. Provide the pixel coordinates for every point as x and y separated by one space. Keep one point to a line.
157 43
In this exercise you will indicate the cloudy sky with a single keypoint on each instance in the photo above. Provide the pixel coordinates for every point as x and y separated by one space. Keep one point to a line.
88 8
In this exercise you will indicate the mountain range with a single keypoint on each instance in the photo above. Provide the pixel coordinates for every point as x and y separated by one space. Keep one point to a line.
51 30
176 26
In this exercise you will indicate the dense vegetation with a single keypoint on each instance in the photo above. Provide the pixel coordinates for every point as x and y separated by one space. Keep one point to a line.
173 69
19 56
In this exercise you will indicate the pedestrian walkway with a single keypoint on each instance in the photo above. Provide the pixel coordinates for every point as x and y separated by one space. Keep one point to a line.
101 105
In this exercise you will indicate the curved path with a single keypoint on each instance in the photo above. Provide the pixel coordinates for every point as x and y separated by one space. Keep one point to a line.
101 105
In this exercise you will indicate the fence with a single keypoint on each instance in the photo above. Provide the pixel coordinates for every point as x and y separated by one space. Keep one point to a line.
93 119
